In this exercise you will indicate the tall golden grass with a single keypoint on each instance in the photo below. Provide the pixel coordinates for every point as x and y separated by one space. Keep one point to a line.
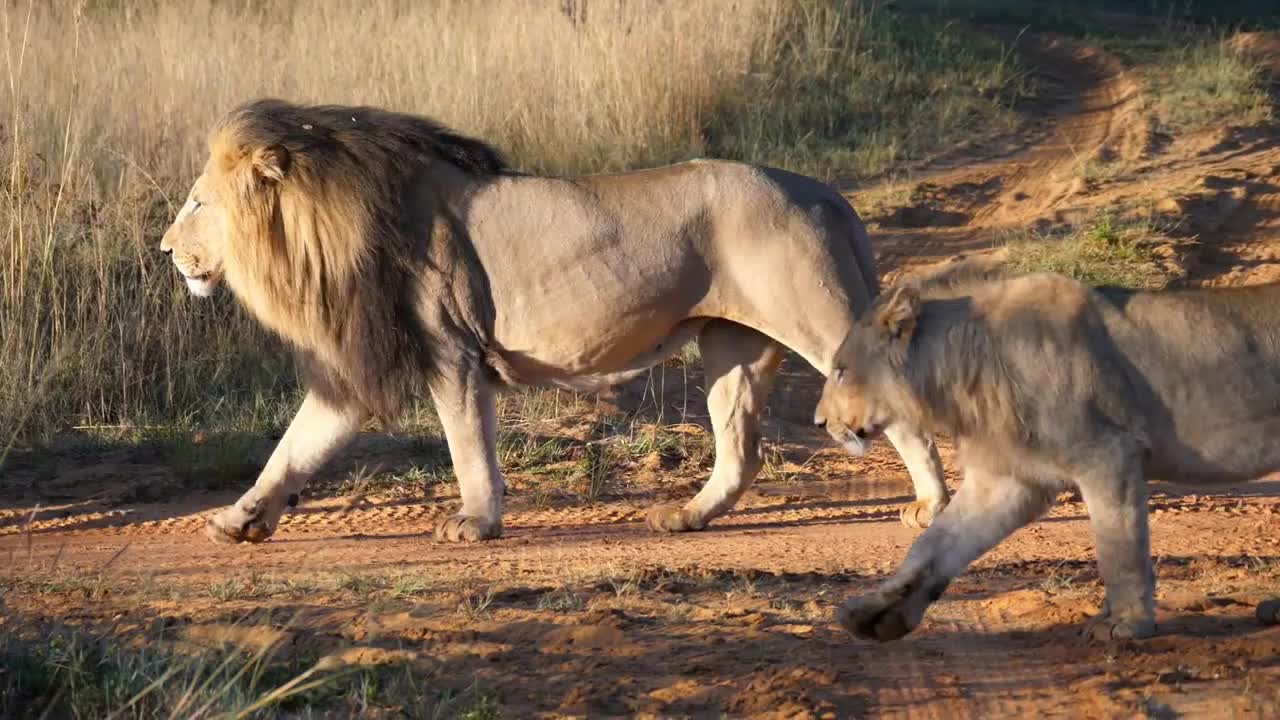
106 105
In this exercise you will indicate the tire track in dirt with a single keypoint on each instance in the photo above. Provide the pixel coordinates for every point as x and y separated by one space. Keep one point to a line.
1104 123
407 518
1216 191
1096 116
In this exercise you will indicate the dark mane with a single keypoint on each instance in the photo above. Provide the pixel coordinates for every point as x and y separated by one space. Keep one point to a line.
360 129
352 242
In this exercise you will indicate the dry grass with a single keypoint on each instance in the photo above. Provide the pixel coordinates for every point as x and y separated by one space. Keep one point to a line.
61 672
104 107
1208 84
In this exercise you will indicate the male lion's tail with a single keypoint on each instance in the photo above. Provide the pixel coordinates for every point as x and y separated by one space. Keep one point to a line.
863 253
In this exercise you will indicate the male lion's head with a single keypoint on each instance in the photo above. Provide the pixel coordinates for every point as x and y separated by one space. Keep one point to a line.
195 241
232 216
868 388
319 219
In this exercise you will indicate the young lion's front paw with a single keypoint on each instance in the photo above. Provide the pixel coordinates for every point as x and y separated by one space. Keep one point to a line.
1269 612
238 524
880 615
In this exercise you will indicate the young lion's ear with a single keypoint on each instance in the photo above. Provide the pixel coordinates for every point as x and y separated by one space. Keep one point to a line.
270 163
897 315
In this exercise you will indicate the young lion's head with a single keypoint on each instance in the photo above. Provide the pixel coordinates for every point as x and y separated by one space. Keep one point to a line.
868 388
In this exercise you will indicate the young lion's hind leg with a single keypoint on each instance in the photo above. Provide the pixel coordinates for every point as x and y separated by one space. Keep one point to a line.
1115 495
317 431
740 365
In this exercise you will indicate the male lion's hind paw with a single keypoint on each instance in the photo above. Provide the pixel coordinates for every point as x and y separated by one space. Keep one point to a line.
1104 630
231 526
671 518
1269 612
878 616
467 528
920 514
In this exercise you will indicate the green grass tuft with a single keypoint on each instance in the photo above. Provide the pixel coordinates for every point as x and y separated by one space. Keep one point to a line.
1104 252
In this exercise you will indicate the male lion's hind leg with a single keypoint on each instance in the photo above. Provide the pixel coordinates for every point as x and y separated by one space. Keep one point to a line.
920 455
740 364
318 430
986 509
467 407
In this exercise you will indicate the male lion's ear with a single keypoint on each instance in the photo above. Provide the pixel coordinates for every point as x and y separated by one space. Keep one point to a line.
270 163
897 315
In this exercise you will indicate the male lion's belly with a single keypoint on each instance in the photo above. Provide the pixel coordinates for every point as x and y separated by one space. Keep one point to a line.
604 313
574 355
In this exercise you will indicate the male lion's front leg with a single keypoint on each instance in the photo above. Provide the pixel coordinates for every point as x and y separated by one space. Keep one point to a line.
986 509
1116 498
318 430
467 407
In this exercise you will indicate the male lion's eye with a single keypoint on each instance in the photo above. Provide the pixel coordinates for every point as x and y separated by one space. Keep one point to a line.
195 206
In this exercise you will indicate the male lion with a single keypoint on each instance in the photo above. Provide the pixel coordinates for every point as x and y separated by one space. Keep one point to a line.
389 251
1047 383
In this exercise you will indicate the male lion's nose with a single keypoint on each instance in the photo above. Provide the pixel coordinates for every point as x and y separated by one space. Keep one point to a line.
819 421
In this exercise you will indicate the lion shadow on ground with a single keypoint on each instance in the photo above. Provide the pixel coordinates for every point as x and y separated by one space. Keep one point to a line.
116 484
636 659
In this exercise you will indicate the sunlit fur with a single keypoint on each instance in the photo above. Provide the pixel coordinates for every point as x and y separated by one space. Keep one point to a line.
1046 383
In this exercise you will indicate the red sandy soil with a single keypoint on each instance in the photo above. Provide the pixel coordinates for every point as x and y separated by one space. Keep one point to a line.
579 610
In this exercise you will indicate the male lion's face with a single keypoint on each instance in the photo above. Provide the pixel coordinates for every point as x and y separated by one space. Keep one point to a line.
196 238
867 386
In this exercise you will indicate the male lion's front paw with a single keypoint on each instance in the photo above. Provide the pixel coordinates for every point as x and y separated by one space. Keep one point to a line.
467 528
920 514
236 525
1269 612
1109 629
879 616
671 518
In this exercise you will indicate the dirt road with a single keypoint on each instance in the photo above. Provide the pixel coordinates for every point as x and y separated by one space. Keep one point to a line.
579 610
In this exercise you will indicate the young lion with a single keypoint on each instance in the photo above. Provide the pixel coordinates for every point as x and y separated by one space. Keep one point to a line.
1047 384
